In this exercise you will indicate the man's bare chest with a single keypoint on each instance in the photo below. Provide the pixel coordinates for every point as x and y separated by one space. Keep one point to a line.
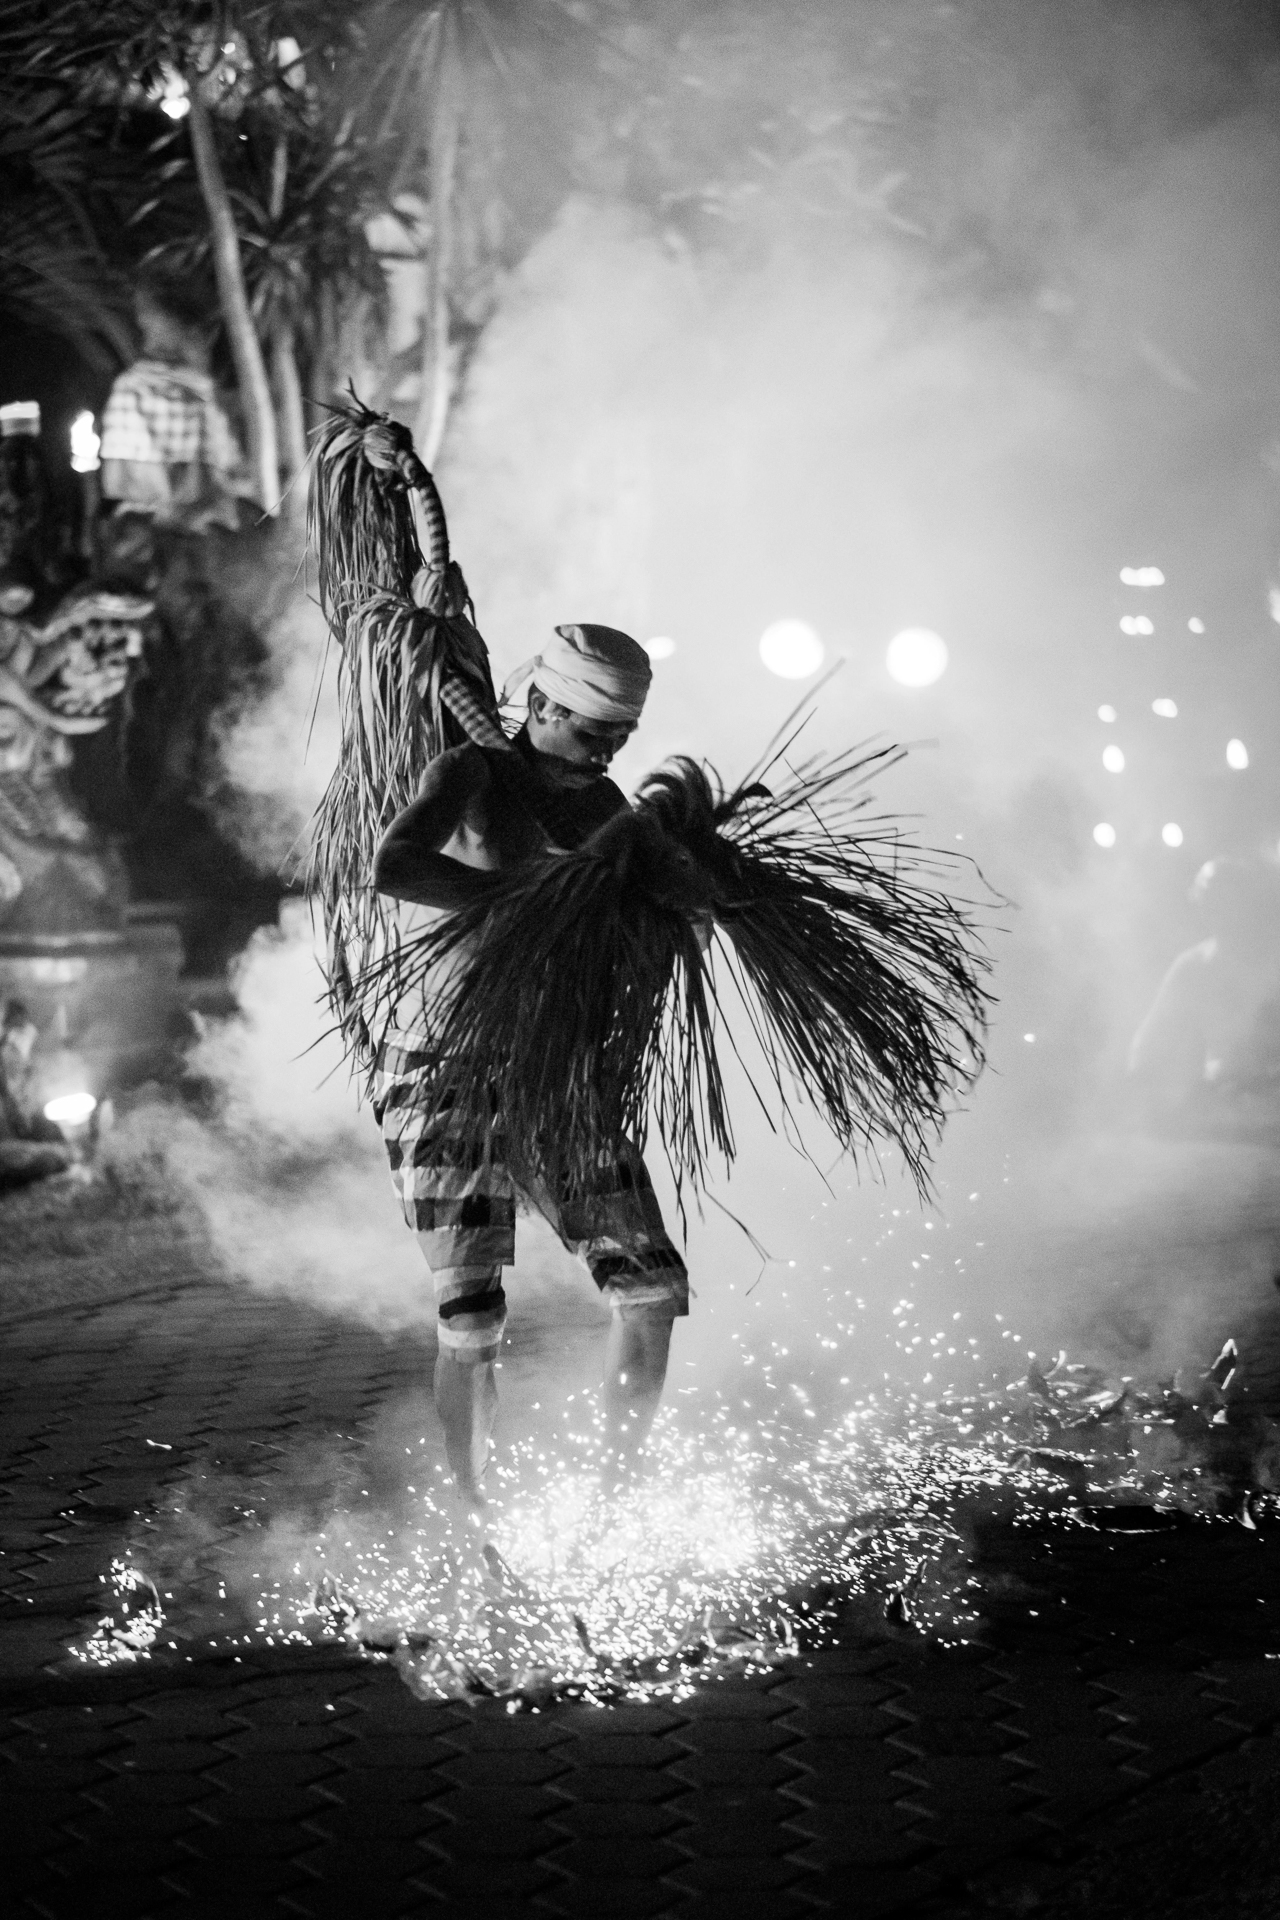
495 831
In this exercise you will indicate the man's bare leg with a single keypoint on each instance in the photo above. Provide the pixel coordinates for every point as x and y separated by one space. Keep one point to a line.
635 1370
467 1403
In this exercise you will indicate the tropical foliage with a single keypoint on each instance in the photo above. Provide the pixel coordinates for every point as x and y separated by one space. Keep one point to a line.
251 143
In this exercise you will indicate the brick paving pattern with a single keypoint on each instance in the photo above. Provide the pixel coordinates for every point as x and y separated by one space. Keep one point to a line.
884 1776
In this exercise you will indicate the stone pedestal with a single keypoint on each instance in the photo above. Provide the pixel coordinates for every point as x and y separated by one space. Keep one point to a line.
106 1003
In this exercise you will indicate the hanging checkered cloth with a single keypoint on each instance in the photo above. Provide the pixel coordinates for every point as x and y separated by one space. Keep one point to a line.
168 416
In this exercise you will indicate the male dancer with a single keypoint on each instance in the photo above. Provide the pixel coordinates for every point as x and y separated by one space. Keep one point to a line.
480 809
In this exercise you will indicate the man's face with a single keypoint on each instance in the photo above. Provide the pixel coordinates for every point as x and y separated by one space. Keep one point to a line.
586 746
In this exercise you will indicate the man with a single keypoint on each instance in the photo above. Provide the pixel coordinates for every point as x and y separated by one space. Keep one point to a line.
481 809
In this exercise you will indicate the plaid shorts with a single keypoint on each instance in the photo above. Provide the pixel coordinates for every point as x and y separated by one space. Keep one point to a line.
459 1199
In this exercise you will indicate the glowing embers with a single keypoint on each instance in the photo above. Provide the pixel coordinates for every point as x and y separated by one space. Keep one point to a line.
1113 759
1237 755
792 649
917 657
1142 576
1136 623
129 1630
746 1538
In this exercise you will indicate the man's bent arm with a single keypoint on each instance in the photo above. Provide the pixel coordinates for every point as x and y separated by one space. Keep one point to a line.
408 864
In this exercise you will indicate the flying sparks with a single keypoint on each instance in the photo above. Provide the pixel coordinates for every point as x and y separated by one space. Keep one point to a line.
745 1538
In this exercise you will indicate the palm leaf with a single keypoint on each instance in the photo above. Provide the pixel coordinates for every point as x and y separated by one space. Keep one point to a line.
579 1005
413 678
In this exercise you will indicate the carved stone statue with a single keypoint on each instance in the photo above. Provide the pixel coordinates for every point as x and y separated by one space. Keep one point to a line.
56 681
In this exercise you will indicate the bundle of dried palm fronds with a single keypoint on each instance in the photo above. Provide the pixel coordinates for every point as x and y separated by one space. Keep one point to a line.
586 1006
413 675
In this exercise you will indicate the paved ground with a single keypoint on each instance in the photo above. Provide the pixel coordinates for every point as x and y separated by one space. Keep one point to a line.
1110 1747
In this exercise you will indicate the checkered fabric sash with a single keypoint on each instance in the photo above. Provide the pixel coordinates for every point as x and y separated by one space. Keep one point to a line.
477 720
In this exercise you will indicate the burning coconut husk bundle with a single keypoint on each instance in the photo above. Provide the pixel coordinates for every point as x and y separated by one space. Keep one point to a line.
780 909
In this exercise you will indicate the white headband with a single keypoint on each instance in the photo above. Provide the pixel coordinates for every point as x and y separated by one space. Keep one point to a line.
597 672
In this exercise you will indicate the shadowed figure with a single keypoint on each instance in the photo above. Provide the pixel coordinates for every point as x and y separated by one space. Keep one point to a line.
1206 1056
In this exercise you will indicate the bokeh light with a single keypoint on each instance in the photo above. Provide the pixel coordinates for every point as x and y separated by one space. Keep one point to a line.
85 443
1113 759
1171 834
1107 713
170 92
917 657
1136 623
661 647
1104 834
791 649
1166 709
70 1109
1196 626
1142 576
1237 755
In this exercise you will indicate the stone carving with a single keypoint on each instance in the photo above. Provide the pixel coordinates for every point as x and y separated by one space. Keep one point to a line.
56 681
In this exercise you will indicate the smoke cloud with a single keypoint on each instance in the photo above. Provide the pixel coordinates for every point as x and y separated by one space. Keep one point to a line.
969 418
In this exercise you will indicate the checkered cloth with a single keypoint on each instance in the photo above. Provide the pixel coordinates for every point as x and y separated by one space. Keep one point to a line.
168 416
478 720
460 1201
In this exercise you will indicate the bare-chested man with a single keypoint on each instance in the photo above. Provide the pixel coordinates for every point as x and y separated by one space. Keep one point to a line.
481 809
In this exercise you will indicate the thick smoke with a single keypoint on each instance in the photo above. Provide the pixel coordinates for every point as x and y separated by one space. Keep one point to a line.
860 425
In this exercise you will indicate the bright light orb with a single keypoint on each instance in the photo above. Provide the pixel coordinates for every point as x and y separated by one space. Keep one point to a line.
1136 623
171 93
791 649
1196 626
1104 834
1237 755
1107 713
917 657
661 647
70 1109
1142 576
85 443
1113 759
1171 834
1166 709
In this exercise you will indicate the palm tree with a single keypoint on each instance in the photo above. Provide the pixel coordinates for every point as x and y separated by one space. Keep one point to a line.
54 273
117 50
208 62
301 191
452 77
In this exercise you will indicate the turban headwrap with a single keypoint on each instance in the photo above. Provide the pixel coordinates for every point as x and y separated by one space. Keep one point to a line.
597 672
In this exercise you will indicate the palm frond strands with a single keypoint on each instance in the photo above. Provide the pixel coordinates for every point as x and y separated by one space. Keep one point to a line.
585 1006
413 676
